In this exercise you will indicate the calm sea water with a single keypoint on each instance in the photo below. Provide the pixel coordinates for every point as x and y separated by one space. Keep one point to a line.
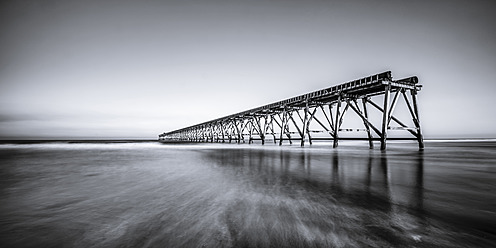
65 194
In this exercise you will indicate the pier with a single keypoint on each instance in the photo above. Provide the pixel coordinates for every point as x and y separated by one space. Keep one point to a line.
319 115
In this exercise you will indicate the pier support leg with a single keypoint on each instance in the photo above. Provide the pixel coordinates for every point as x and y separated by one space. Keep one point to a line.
212 133
263 131
336 124
238 132
229 131
272 128
308 125
286 128
222 129
365 112
243 126
283 126
385 117
304 128
416 120
250 139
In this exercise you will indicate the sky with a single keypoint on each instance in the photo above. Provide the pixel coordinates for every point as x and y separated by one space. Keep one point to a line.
134 69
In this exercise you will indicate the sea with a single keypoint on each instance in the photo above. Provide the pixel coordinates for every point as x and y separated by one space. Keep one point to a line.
150 194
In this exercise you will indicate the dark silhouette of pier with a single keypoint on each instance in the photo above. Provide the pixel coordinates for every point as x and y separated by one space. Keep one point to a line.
318 115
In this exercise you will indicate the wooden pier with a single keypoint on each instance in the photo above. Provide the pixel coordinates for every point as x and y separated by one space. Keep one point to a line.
318 115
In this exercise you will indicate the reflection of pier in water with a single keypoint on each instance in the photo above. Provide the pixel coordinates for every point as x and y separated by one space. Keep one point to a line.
360 180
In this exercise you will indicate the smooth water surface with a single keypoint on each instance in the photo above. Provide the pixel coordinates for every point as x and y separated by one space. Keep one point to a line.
63 194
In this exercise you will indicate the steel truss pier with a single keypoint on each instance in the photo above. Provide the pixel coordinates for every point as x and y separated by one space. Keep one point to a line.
318 115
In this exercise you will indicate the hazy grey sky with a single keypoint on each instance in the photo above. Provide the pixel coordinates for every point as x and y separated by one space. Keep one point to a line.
122 69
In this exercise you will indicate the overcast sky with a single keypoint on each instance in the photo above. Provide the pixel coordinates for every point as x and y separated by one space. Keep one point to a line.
134 69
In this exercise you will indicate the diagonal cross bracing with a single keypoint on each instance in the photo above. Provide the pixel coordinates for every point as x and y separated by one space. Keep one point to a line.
250 122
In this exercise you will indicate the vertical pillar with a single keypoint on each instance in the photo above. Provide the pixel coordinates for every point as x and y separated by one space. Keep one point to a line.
230 131
283 126
420 138
238 133
308 125
304 128
286 127
222 129
264 130
241 130
385 117
272 128
211 133
336 124
217 132
250 140
365 113
243 126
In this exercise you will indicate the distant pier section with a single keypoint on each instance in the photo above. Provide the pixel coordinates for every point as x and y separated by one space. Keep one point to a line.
319 115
